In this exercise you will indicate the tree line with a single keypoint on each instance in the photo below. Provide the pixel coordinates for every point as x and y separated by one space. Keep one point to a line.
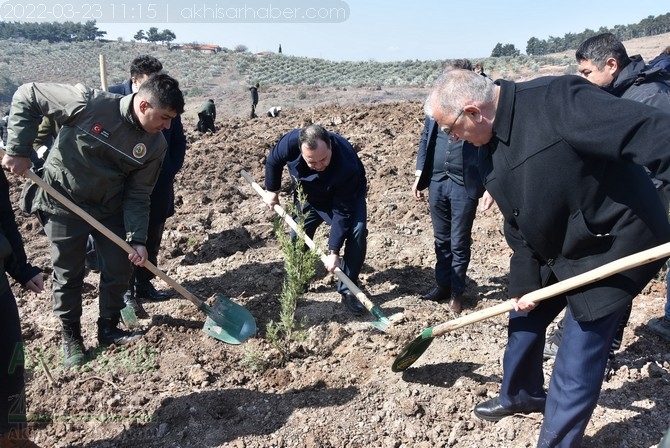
650 26
78 32
51 31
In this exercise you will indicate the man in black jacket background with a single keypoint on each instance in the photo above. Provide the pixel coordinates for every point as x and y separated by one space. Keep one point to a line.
162 198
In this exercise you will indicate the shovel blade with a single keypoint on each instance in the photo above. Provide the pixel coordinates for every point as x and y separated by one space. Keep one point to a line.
229 322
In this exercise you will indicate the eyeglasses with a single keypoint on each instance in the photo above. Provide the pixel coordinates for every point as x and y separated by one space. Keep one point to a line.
449 130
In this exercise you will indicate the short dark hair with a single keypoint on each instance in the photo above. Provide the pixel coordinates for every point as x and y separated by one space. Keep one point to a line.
464 64
164 91
310 136
145 65
598 49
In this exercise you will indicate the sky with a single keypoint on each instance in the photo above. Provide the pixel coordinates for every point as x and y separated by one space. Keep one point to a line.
390 30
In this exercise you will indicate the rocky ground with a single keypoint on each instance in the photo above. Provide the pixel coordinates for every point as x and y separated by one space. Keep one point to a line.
178 387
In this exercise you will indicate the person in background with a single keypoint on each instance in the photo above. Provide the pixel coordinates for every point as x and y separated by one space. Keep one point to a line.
274 111
561 223
479 68
207 116
253 90
661 61
106 159
13 260
449 170
604 61
332 177
162 197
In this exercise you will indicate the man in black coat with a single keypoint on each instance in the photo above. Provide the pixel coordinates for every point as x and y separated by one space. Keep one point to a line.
564 162
162 197
603 60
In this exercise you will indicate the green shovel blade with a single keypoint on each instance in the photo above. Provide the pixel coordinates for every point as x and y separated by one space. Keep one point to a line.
228 322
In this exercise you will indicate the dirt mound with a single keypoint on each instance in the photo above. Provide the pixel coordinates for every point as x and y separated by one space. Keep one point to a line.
178 387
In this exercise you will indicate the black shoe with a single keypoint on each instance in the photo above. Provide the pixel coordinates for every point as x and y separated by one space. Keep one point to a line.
493 411
437 294
109 333
136 305
148 292
456 302
352 303
74 353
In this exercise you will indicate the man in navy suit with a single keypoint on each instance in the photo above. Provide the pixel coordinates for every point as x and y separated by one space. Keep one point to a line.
162 198
331 175
553 153
449 170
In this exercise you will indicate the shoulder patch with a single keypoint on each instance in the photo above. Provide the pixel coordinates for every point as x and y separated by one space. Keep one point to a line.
140 150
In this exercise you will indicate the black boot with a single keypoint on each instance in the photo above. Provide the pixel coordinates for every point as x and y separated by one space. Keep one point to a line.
145 290
109 333
73 346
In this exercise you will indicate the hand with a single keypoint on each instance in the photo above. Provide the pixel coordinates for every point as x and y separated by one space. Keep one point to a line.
35 284
140 255
271 199
331 262
418 195
17 165
522 305
486 201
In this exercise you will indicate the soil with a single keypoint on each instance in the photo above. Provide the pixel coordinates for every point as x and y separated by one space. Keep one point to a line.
179 387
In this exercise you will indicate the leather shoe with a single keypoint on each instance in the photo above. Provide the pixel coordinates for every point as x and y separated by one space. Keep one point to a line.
148 292
437 294
352 303
493 411
456 302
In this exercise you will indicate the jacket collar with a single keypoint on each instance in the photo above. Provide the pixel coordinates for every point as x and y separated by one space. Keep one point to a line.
502 124
126 106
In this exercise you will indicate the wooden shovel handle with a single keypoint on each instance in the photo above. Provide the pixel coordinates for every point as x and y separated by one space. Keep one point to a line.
111 235
599 273
360 295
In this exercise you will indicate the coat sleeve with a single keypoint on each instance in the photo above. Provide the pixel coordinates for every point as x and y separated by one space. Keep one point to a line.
176 148
33 101
286 149
16 265
423 171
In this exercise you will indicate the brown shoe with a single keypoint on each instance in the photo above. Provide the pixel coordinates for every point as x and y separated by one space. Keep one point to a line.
437 294
456 302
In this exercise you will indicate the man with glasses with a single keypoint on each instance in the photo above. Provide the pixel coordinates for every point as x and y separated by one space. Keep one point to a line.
449 170
553 154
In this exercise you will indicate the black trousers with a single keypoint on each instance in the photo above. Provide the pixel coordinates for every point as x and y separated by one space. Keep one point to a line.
12 382
153 245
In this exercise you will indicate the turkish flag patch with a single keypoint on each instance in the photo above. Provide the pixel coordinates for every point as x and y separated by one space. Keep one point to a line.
99 130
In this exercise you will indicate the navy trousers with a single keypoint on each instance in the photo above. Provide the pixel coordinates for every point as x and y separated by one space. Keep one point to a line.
452 212
355 242
578 372
12 383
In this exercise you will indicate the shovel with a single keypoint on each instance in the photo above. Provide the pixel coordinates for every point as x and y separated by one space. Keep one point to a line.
382 322
226 320
412 351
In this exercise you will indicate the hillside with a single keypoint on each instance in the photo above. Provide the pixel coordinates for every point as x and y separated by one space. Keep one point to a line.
178 387
287 81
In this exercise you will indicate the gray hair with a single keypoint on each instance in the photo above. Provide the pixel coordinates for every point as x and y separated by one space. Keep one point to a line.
455 88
